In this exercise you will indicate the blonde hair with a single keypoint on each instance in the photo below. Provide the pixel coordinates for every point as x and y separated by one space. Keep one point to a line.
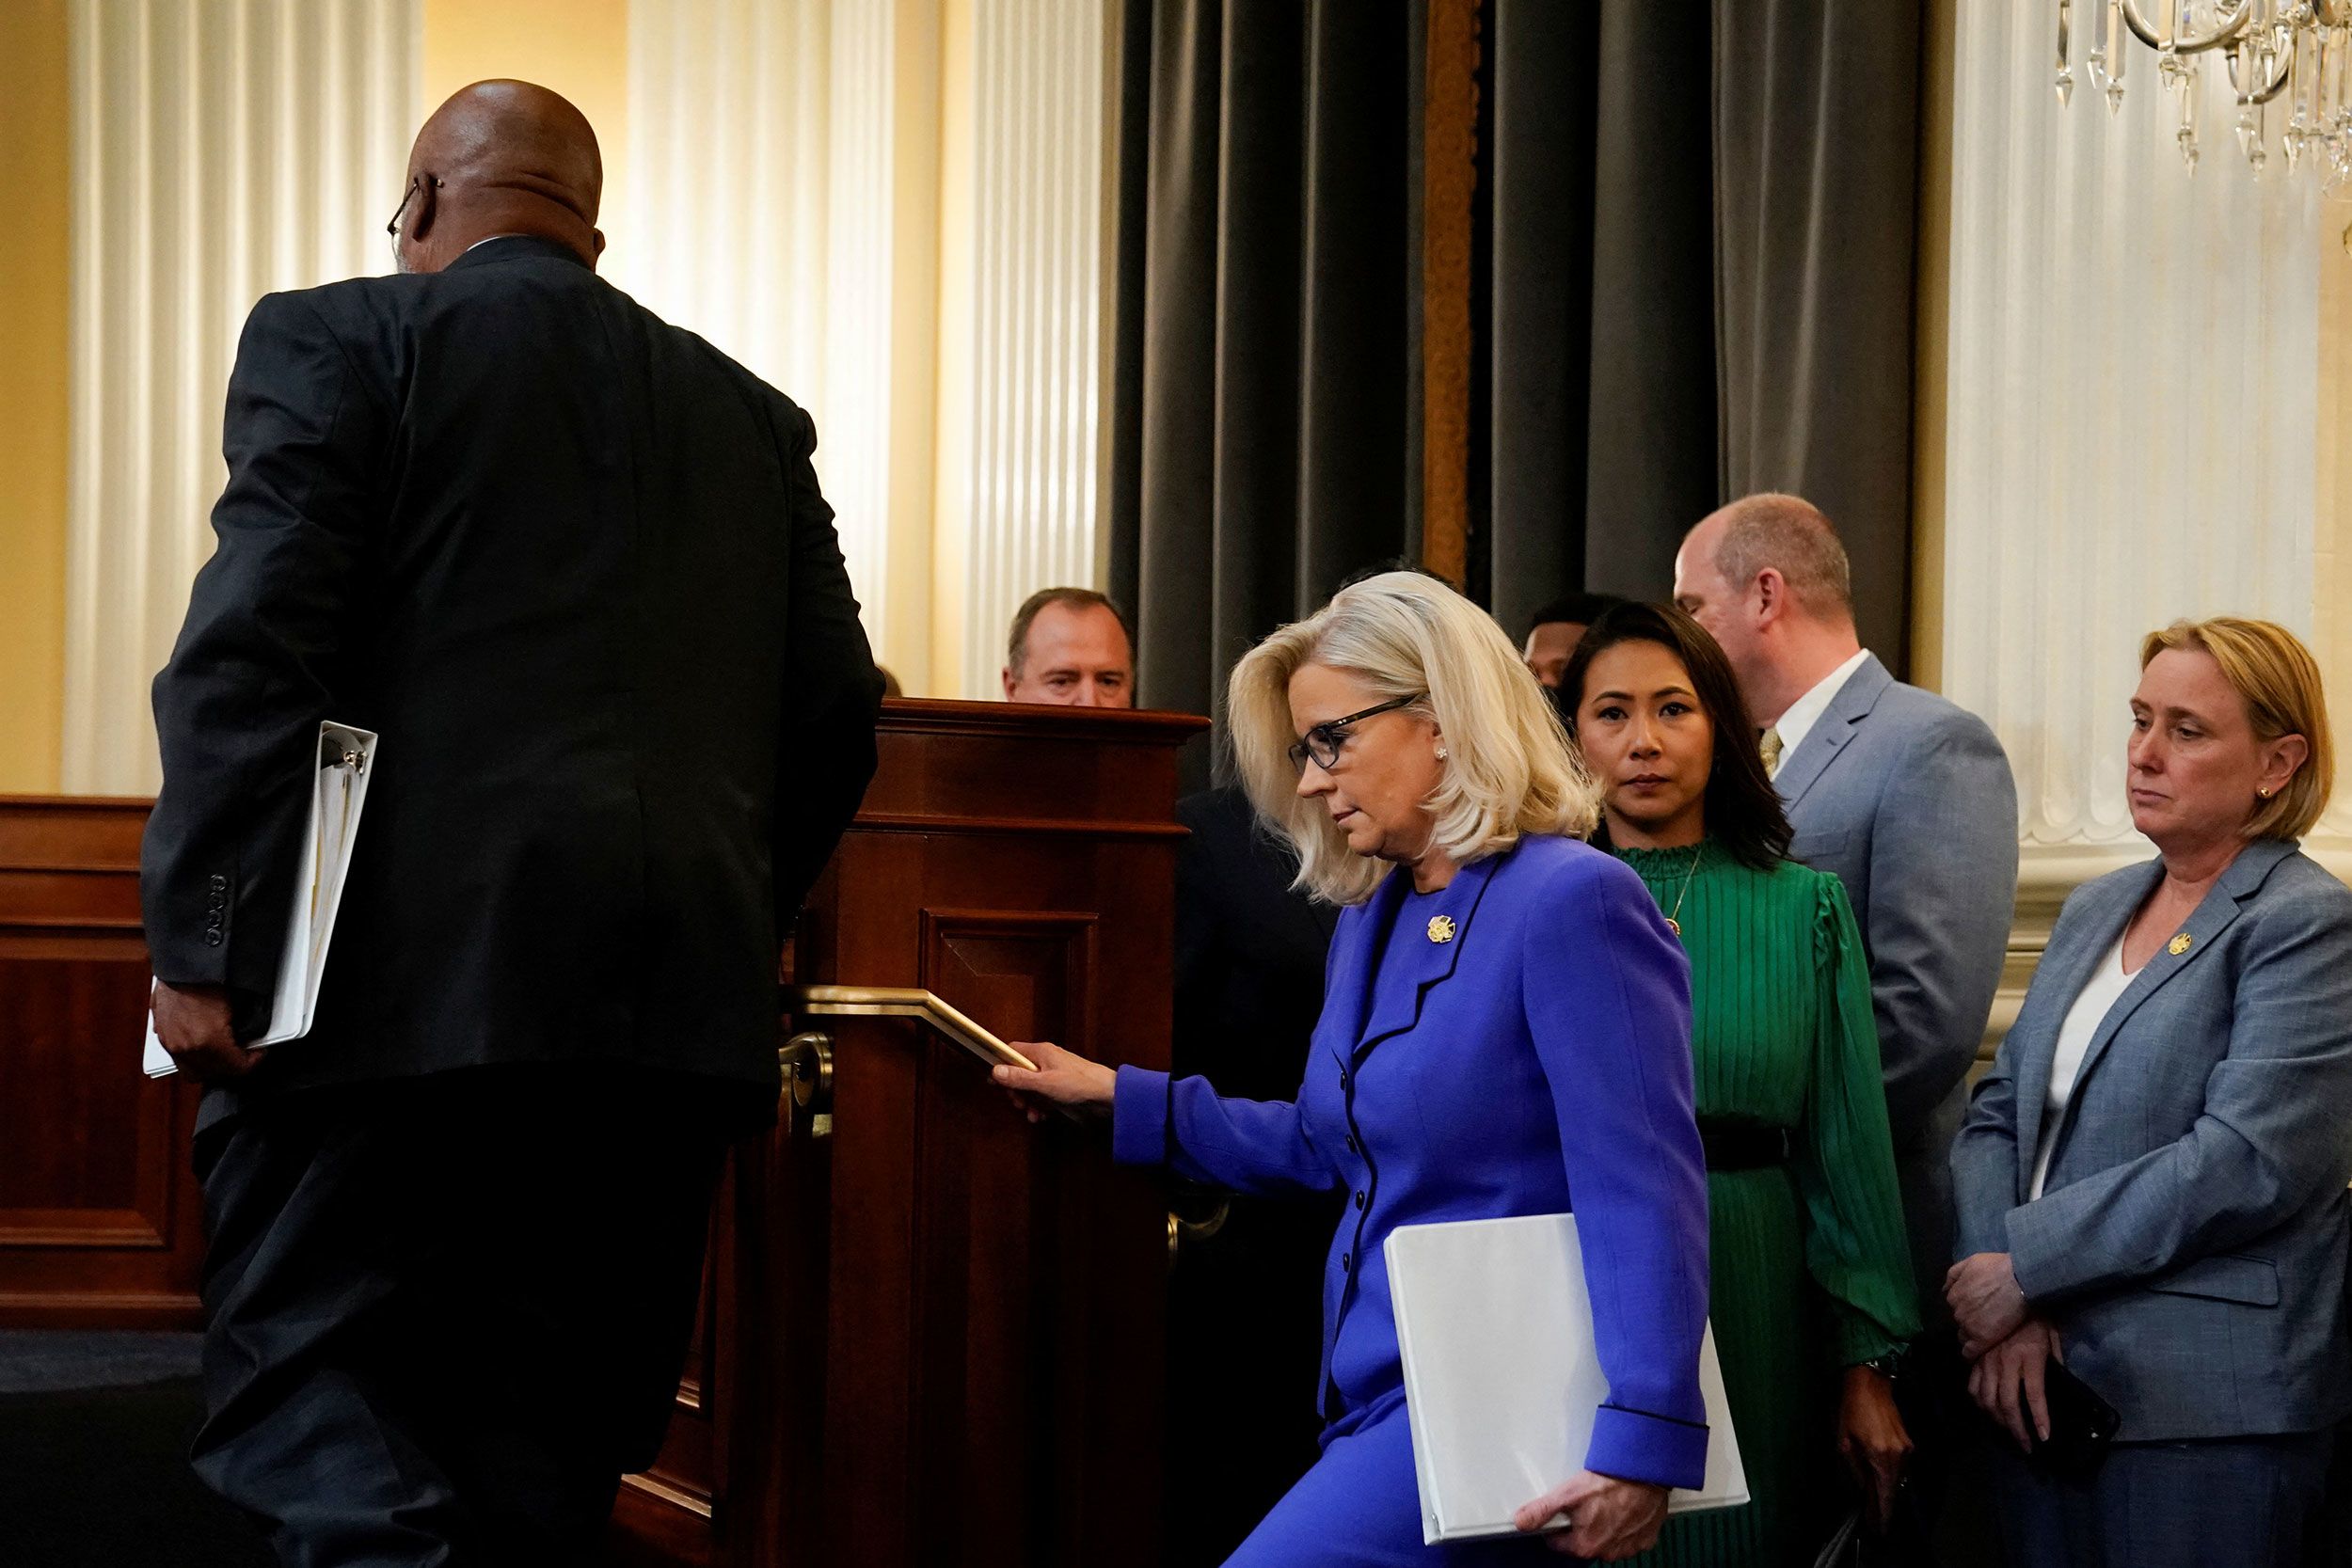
1509 768
2278 680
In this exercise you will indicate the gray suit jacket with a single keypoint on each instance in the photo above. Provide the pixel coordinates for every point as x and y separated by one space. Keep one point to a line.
1908 800
2190 1243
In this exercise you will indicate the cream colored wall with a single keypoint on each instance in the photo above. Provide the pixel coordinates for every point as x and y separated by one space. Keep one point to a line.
952 496
36 127
579 48
910 639
2331 571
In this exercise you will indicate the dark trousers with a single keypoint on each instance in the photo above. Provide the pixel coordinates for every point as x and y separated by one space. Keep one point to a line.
445 1317
2246 1501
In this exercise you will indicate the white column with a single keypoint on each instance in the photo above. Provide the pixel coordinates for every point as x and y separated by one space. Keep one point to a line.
896 211
2132 405
767 143
1041 178
222 149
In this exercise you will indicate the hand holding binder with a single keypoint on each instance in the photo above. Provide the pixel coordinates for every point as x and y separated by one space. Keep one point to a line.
1607 1519
1502 1377
339 789
198 1020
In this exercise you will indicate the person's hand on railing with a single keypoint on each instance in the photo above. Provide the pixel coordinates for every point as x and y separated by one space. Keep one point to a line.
1062 1078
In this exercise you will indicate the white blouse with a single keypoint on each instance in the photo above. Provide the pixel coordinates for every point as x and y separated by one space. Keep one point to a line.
2091 1008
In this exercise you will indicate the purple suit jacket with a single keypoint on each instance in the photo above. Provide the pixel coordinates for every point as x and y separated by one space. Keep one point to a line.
1538 1062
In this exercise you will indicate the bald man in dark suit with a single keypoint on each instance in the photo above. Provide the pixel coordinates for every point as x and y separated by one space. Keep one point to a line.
573 566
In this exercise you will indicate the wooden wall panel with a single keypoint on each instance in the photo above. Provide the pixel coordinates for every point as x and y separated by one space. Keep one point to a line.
100 1222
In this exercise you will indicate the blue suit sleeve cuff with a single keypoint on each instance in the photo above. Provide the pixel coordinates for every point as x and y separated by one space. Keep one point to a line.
2043 1267
1632 1444
1981 1235
1140 1134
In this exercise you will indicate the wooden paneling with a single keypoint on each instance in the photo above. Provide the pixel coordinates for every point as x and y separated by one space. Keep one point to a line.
1449 183
946 1335
100 1222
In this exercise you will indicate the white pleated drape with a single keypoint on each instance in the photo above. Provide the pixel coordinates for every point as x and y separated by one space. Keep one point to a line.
1041 192
783 213
2131 418
222 149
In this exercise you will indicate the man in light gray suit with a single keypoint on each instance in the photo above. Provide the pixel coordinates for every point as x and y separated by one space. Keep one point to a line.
1905 797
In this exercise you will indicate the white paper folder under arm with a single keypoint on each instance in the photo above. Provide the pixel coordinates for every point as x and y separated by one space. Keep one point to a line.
346 759
1500 1380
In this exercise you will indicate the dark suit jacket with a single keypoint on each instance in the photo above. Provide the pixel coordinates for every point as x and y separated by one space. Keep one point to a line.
1245 1306
572 564
1249 952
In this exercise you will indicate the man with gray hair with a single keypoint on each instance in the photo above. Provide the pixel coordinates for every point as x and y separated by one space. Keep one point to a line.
1907 798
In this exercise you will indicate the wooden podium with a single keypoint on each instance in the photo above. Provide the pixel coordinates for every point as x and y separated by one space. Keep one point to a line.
932 1332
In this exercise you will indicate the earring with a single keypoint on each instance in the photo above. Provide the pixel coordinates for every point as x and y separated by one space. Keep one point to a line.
1441 753
2263 793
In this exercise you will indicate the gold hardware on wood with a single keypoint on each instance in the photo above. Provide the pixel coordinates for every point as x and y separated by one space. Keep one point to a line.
1180 1229
807 1062
905 1002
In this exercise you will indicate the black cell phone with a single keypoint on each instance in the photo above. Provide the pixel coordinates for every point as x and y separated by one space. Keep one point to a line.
2081 1426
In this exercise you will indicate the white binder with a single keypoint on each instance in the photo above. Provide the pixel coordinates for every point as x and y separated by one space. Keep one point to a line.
346 757
1500 1381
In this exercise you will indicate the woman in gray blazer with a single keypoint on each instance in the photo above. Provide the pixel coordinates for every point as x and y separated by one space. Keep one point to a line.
2151 1181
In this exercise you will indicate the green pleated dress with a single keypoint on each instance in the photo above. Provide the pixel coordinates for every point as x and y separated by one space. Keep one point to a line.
1811 1271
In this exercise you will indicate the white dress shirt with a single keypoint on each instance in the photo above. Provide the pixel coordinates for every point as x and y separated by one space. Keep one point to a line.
2091 1008
1806 711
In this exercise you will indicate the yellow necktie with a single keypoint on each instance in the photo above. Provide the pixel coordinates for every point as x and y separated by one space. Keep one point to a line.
1768 743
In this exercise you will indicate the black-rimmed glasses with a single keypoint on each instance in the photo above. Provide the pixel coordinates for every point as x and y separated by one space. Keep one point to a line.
1322 742
407 197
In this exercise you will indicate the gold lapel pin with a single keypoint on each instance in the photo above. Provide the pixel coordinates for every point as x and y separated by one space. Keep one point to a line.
2179 944
1441 927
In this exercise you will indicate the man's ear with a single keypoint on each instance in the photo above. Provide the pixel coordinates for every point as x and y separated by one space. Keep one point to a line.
1771 595
598 235
1006 676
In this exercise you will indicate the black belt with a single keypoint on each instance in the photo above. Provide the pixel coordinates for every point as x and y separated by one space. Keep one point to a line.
1745 1145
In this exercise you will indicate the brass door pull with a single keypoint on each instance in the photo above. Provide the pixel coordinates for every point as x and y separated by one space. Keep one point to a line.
807 1062
1180 1229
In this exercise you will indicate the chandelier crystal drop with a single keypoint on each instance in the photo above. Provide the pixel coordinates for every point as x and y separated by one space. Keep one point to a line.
2294 54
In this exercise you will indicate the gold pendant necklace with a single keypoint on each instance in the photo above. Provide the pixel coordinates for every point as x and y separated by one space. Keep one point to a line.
1673 921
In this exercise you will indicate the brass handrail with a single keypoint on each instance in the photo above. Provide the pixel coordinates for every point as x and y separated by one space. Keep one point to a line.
906 1002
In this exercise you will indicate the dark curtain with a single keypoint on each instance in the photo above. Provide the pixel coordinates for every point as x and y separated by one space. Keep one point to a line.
1817 150
1265 443
1695 243
1603 364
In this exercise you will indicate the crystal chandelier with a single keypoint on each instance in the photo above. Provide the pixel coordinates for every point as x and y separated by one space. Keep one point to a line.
2296 50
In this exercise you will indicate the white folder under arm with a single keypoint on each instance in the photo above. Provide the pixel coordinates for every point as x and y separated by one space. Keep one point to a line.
1501 1382
346 759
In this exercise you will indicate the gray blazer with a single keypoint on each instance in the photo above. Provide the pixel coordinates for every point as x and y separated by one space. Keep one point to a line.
1908 800
2190 1243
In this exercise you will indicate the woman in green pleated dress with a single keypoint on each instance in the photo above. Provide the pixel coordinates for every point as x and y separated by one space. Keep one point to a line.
1812 1293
